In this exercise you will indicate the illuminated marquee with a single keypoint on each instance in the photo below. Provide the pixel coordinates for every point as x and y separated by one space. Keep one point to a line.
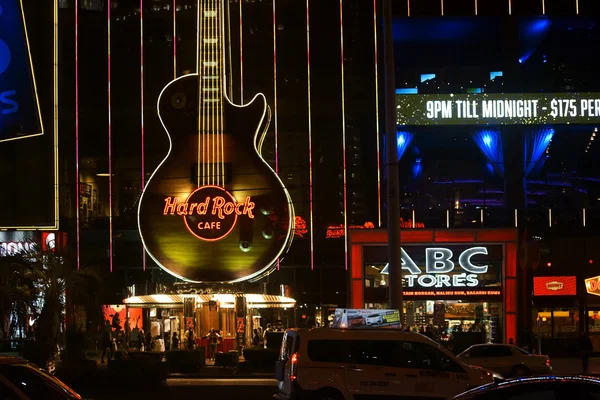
439 268
210 212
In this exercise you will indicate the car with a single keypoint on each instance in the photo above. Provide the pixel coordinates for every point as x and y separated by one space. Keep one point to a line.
21 380
345 364
508 360
537 388
374 319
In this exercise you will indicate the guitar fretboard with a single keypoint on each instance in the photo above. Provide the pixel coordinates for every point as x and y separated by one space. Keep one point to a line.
210 61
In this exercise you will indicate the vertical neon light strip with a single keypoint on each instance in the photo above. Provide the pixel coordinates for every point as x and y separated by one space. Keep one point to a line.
344 135
142 110
174 39
377 112
110 210
310 168
78 222
241 56
275 99
275 87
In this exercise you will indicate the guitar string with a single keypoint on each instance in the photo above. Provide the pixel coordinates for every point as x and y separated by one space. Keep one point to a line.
199 64
218 85
209 93
222 96
212 93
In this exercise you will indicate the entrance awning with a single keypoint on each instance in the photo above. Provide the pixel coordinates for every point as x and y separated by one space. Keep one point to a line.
226 300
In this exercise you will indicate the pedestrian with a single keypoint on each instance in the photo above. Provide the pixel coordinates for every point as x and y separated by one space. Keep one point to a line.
255 338
140 338
190 338
213 340
106 341
585 348
266 333
175 340
511 341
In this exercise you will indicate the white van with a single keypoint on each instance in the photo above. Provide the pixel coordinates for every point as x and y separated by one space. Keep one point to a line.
345 364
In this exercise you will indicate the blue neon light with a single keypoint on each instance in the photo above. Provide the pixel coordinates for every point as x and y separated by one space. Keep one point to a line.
489 142
417 168
403 140
407 91
531 35
536 143
494 74
427 77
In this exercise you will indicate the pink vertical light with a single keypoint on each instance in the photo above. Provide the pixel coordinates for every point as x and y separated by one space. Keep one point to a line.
275 99
377 112
110 210
275 87
310 166
241 56
142 109
344 134
174 39
78 222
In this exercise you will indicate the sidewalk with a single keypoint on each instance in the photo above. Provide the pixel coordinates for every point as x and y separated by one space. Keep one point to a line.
207 371
572 366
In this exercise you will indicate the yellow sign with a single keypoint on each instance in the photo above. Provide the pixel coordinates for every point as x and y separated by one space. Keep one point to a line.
592 285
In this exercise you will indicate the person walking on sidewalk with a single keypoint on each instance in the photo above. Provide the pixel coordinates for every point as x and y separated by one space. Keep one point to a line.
585 348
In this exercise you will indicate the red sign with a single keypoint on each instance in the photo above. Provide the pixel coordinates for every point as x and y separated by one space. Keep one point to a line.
210 212
442 293
554 286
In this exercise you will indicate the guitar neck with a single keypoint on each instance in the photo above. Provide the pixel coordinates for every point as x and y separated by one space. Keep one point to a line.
211 58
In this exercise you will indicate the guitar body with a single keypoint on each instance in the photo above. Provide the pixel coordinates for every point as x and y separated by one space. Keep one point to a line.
241 249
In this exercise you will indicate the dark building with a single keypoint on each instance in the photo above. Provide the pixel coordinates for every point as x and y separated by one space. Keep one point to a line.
323 79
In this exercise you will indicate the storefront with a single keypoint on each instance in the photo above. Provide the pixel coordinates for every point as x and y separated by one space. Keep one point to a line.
170 314
454 280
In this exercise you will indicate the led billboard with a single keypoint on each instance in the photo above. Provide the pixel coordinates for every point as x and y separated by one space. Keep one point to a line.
498 109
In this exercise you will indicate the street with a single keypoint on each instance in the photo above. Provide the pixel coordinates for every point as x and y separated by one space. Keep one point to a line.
185 389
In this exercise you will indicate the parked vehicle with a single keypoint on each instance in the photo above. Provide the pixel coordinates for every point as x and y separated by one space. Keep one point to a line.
22 380
338 364
537 388
506 359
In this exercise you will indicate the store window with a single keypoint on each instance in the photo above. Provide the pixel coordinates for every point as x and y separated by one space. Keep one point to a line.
594 322
557 322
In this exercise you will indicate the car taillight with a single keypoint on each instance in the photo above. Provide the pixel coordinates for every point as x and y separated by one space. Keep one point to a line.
294 366
547 362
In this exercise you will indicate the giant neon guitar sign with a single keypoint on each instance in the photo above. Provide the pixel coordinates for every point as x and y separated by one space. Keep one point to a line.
214 210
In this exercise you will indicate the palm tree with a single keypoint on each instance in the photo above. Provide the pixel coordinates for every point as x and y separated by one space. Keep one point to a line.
56 278
18 292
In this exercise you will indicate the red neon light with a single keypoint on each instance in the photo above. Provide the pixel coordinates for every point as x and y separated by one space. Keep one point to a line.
142 110
376 55
241 56
78 222
222 213
110 211
174 39
310 166
300 226
338 231
344 135
555 286
275 88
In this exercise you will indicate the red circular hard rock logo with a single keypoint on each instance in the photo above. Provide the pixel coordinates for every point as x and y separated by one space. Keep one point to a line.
210 212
